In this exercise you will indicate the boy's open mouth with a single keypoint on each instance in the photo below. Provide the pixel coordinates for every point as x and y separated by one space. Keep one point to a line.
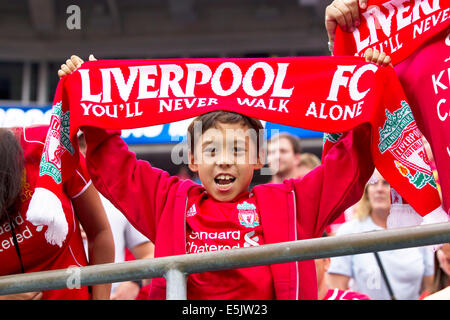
223 181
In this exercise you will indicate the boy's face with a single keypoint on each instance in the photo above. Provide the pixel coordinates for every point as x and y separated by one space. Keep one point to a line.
225 158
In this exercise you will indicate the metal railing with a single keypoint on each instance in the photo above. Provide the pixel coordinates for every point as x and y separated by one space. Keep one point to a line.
176 268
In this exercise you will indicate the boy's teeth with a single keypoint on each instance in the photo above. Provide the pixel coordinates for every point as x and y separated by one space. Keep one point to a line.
224 177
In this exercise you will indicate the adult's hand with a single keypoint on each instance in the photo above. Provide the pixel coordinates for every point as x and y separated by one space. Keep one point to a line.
72 64
344 13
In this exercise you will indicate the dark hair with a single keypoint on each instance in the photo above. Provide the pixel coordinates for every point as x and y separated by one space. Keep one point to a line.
441 279
11 169
293 140
211 119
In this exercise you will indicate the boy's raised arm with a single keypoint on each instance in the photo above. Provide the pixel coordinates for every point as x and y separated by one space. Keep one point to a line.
137 189
339 181
337 184
133 186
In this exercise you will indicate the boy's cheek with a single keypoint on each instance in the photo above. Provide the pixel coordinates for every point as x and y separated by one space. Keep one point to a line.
207 160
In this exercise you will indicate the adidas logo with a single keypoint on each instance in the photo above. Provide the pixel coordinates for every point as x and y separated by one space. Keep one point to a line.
192 211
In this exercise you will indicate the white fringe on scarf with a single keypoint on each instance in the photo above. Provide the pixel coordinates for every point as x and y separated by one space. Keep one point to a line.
46 209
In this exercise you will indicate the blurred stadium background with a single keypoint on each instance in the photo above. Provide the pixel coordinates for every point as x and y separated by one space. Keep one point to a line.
37 36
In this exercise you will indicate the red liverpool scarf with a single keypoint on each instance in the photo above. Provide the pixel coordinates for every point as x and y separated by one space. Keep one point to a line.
416 36
319 93
398 28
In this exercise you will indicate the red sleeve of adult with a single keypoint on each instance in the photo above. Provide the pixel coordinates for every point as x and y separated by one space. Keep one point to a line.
133 186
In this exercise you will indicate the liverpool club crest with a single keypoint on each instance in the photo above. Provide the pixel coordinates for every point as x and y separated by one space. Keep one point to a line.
401 137
56 144
248 216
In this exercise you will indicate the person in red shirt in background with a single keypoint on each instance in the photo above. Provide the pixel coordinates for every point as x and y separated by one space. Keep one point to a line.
416 74
25 247
441 284
283 156
427 147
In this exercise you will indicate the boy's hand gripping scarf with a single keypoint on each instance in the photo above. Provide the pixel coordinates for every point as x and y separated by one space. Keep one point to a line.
416 36
318 93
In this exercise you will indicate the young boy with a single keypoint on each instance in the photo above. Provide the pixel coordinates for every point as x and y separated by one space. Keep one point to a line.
182 217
